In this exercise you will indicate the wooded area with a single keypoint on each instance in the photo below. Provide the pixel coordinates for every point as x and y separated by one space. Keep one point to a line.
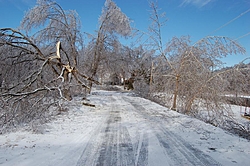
41 70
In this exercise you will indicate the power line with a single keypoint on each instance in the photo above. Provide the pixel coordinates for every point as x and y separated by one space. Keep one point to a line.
231 21
243 36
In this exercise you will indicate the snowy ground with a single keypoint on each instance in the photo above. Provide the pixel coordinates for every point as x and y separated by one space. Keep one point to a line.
123 130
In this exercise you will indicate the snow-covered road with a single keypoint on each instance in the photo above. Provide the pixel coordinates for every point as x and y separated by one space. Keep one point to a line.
123 130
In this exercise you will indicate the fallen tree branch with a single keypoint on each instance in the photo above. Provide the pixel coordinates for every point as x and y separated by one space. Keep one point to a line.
88 78
87 104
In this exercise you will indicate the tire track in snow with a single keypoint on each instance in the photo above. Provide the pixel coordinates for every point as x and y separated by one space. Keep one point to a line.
177 149
111 145
126 148
109 148
88 156
143 151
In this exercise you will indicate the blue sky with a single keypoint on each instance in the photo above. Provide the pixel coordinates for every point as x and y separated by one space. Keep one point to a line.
197 18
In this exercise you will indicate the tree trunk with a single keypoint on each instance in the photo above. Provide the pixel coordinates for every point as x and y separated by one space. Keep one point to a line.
97 57
151 78
176 93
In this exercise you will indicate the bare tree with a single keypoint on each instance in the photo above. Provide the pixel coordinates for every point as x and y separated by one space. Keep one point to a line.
238 79
158 20
112 22
55 24
39 71
192 68
52 24
188 74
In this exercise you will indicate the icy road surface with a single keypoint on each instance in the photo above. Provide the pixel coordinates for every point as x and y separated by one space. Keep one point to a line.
123 130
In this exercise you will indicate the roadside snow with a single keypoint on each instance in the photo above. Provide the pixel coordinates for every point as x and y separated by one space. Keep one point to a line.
62 142
80 132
